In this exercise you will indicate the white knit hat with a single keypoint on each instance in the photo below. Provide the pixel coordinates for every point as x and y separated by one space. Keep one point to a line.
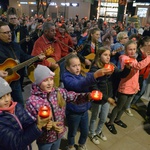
4 87
41 73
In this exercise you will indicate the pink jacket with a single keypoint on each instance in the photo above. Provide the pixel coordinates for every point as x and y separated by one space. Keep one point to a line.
130 84
40 98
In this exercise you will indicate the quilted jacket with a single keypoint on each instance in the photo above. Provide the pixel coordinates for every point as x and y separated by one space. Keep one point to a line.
17 130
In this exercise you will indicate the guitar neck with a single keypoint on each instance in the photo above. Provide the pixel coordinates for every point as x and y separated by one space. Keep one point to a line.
118 49
76 50
22 41
25 63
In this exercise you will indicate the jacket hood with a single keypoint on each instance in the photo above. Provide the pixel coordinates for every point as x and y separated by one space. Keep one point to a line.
35 90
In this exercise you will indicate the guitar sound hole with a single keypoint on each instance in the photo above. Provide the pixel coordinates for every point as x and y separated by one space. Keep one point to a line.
10 71
87 67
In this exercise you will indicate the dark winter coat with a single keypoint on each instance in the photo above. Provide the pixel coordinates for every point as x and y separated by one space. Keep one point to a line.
17 130
106 84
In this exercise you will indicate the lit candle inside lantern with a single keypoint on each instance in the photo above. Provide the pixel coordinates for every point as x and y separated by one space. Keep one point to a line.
130 60
44 112
96 95
109 66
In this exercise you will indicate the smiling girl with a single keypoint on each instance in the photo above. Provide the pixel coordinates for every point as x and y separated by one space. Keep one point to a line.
128 86
44 93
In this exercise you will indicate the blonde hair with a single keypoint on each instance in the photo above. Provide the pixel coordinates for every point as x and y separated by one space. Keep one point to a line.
60 100
121 35
129 42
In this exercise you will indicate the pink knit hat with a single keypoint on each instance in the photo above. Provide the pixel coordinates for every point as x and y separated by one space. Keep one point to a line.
41 73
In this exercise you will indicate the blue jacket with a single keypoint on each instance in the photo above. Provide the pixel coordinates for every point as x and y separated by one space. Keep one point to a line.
79 84
17 130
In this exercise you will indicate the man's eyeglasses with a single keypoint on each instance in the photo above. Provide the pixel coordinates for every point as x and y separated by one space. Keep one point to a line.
7 32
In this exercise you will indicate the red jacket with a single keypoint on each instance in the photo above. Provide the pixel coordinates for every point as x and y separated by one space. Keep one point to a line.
42 44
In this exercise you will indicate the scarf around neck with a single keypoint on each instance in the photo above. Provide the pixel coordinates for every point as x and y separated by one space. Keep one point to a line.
11 108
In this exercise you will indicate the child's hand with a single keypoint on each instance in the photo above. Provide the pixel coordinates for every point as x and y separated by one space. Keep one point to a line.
49 125
42 122
58 126
87 62
102 72
111 101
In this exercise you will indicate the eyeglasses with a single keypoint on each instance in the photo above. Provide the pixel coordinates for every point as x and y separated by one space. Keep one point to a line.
7 32
125 37
13 18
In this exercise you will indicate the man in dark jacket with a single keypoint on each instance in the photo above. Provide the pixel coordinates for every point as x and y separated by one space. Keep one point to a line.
9 49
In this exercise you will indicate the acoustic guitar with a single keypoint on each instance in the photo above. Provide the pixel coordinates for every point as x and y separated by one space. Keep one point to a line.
48 52
11 66
118 50
90 57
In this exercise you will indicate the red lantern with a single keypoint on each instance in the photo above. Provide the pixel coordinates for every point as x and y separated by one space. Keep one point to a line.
109 66
130 60
44 112
96 95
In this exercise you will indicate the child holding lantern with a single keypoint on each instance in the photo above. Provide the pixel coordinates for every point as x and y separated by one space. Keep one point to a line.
17 129
105 85
45 94
77 115
128 86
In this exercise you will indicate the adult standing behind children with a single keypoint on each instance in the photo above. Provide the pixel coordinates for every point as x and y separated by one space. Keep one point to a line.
118 48
90 46
44 93
48 44
9 49
128 86
18 130
77 115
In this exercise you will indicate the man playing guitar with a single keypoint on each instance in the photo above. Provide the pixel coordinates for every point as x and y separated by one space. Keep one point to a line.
48 44
10 49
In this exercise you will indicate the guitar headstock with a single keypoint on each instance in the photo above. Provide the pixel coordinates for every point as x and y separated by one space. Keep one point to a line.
118 49
79 48
49 51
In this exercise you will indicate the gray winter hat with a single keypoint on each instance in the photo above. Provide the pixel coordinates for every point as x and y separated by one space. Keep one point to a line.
41 73
4 87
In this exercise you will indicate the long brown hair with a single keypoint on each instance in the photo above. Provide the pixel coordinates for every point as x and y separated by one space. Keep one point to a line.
97 59
92 31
